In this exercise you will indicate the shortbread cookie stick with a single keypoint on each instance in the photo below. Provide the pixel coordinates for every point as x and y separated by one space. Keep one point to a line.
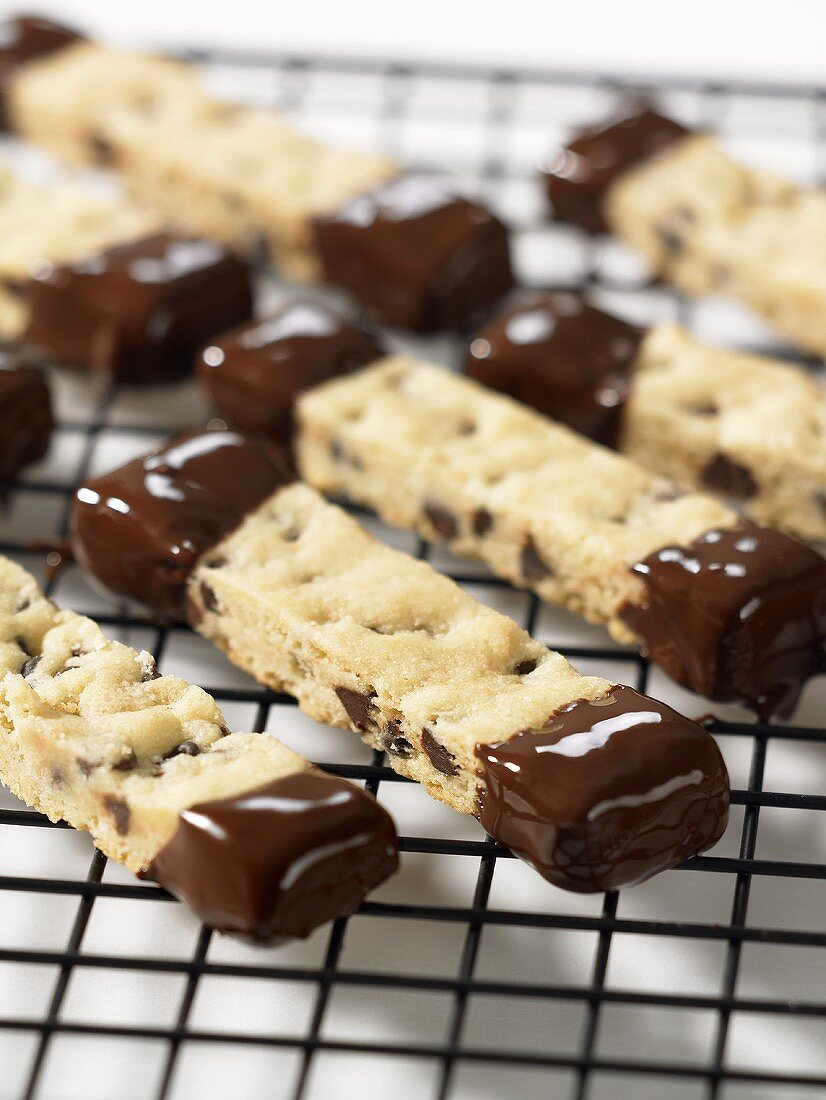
25 416
253 838
43 225
594 784
750 428
701 220
732 610
408 248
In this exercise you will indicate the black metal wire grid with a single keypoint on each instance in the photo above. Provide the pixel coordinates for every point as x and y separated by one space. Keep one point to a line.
496 103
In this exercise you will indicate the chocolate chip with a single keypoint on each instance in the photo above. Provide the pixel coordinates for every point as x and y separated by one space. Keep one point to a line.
524 668
442 520
224 731
24 605
442 760
727 476
186 748
532 566
21 644
102 150
128 763
119 809
58 778
86 767
151 672
394 741
482 521
671 240
359 707
30 666
208 598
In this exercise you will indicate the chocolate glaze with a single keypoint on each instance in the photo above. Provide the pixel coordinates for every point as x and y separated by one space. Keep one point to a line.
417 255
141 528
605 794
255 372
739 614
579 174
563 357
24 38
138 311
26 416
275 863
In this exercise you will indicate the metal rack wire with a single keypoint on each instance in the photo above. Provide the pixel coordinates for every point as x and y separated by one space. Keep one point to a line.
494 109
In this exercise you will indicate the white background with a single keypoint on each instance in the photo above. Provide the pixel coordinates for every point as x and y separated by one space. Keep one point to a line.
724 37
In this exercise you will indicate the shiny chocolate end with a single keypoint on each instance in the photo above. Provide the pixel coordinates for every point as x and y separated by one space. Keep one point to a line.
579 174
27 416
137 312
141 528
558 354
605 794
738 615
417 255
274 863
254 373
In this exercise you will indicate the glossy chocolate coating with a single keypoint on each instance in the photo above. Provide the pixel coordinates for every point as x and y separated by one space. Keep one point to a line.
739 614
138 312
605 794
562 357
578 175
417 255
255 372
274 863
24 38
25 416
141 529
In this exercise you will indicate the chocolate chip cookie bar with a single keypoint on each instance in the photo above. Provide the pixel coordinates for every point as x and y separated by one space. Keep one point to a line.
26 410
138 311
749 428
42 225
408 248
253 838
701 220
459 697
732 610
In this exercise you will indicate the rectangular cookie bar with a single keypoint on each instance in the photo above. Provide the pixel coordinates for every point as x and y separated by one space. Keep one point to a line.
55 224
408 248
593 784
244 830
732 610
749 428
26 412
701 220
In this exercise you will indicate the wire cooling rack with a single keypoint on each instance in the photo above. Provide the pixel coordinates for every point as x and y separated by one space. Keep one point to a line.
466 976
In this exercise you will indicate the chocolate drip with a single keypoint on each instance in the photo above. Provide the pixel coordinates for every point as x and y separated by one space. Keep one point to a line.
141 528
139 311
24 38
274 863
417 255
254 373
579 174
738 614
605 794
27 417
564 358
